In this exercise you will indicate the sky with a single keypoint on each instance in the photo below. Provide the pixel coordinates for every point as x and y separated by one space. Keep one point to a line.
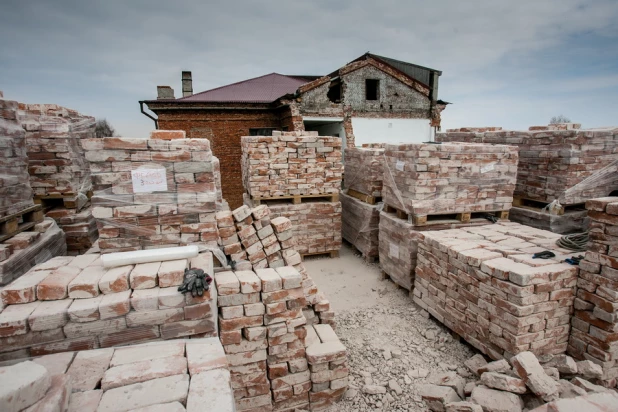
505 63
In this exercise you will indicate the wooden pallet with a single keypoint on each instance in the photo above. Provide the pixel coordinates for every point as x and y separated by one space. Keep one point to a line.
428 220
538 206
69 200
332 254
295 199
18 222
372 200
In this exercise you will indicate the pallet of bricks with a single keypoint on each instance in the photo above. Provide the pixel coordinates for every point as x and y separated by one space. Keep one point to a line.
76 303
560 167
361 198
252 240
26 238
154 193
298 175
595 321
431 187
59 172
277 361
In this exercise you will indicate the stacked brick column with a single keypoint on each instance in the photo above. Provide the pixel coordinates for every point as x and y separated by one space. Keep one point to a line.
179 211
360 225
74 303
363 169
328 365
240 232
80 228
483 284
260 319
594 324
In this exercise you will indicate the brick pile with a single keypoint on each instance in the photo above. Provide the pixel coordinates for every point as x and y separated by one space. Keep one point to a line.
79 226
266 339
316 224
483 284
246 235
291 163
360 225
424 179
162 376
398 245
25 250
56 162
594 324
177 209
74 303
363 169
328 365
15 190
552 161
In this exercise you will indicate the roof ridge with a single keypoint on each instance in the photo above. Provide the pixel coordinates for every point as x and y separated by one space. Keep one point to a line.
231 84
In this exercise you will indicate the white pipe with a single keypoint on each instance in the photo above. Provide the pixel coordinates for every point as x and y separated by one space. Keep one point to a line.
152 255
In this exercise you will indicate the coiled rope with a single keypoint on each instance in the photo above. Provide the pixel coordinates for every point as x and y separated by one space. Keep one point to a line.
575 241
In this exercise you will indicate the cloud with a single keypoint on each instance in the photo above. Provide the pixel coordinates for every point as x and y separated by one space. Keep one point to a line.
521 57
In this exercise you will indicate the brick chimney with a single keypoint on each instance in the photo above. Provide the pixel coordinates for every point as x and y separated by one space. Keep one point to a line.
165 92
187 84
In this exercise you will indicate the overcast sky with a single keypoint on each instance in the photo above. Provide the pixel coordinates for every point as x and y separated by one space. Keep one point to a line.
505 63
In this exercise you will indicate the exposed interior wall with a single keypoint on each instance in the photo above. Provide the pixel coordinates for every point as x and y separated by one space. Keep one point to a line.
328 129
368 130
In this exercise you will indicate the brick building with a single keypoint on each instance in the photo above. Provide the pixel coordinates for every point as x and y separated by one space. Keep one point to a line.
371 99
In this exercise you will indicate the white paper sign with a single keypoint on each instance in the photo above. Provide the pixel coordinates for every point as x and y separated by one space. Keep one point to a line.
149 180
393 251
400 165
487 168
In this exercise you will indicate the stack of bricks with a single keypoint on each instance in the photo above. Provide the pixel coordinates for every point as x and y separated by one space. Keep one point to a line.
328 365
74 303
363 188
243 233
484 284
25 250
261 329
152 193
363 170
433 179
360 225
398 245
183 375
551 162
316 224
594 324
291 163
57 166
79 226
15 190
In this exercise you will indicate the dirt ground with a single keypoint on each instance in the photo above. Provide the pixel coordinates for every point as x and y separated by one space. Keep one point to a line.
393 347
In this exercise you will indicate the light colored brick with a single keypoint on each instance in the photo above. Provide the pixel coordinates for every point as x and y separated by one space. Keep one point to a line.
88 368
144 275
153 392
115 305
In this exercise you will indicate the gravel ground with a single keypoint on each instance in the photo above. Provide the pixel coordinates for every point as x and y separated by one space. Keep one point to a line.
392 345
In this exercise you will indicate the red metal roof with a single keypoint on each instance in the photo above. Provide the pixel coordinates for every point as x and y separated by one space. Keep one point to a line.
263 89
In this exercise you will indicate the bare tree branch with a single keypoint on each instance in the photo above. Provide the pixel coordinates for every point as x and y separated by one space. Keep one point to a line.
104 129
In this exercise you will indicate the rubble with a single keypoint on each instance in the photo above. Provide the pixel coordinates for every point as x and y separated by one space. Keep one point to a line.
291 163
